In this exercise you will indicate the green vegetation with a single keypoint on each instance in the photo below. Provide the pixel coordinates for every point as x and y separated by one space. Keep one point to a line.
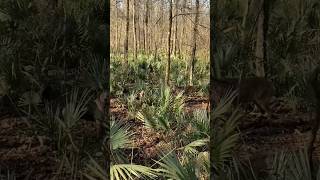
278 40
52 69
159 112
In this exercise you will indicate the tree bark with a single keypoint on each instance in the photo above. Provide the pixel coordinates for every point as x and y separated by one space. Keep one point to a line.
117 43
194 44
146 21
167 76
134 29
183 32
244 36
261 39
176 43
138 28
126 43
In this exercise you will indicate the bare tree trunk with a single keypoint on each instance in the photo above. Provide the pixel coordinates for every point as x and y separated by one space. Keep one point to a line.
150 28
266 6
244 37
126 43
162 41
194 45
144 32
183 32
146 21
138 29
176 43
260 44
167 77
244 21
117 29
134 29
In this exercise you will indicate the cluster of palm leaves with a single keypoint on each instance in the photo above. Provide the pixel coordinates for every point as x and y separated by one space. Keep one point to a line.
165 110
159 108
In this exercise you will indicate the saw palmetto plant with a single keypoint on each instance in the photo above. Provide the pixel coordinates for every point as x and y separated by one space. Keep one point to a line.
164 112
120 139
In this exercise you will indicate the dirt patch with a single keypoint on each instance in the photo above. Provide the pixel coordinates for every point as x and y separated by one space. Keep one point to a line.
262 138
23 153
26 154
195 102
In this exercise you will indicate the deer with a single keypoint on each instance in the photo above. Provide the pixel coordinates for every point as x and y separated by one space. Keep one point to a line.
257 90
96 111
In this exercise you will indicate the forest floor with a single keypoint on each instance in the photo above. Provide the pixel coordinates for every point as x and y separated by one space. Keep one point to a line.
26 153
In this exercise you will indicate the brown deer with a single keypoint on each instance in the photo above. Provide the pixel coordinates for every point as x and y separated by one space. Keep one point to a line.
100 112
258 90
96 112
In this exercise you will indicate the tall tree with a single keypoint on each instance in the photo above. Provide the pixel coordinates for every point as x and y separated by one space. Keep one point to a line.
134 29
176 28
138 27
183 32
262 28
126 43
146 28
167 76
149 29
194 44
244 35
117 37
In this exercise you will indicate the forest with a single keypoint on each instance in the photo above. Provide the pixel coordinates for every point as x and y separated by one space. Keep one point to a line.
159 89
54 79
60 81
266 52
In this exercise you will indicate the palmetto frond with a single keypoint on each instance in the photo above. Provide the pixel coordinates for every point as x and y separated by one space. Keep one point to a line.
201 121
29 98
120 135
172 168
75 107
120 138
97 72
224 135
164 111
191 148
119 171
131 171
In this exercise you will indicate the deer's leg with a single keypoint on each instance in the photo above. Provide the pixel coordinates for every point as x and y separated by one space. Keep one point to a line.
264 107
261 106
